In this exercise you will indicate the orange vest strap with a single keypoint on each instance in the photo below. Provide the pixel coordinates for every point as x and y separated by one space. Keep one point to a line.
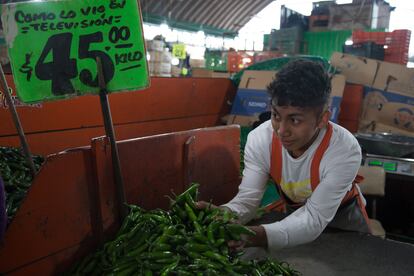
354 191
276 160
359 178
320 151
278 206
350 194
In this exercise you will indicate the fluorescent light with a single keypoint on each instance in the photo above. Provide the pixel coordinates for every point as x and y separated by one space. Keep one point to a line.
247 60
349 42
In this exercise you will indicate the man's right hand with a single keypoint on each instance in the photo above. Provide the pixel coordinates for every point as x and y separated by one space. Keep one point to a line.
204 205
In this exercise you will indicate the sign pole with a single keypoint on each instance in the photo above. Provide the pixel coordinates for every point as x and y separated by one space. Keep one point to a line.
16 120
109 129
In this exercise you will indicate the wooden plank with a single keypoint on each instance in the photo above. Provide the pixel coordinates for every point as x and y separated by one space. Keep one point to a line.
51 142
59 220
54 264
167 98
56 213
152 166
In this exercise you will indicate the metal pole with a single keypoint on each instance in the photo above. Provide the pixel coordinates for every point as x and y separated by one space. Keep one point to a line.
16 120
109 129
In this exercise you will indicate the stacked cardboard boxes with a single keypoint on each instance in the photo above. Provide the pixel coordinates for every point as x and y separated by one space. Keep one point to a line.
252 98
159 59
388 104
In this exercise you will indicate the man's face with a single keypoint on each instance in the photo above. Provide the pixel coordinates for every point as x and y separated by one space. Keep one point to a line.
297 127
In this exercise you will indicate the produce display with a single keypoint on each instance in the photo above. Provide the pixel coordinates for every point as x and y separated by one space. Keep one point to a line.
181 241
16 176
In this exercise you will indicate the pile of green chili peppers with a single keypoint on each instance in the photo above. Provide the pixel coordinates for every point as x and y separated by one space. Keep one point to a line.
182 241
16 176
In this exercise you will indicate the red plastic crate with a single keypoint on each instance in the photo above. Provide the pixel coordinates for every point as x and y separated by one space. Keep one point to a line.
235 60
377 37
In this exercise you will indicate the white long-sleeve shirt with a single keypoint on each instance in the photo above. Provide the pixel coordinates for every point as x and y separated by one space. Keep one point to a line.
337 170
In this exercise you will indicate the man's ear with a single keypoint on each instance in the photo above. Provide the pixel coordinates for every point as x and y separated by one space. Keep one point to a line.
323 122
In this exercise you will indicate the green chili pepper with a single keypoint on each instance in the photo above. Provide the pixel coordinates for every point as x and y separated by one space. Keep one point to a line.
190 213
200 237
192 190
226 216
170 268
239 229
217 257
197 247
148 272
159 255
162 242
200 216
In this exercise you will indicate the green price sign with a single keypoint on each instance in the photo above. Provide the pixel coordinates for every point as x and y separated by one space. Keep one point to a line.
53 47
178 51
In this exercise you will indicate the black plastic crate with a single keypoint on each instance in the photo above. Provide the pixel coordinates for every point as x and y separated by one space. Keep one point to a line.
366 49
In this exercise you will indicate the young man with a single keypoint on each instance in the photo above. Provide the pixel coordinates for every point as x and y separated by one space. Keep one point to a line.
313 161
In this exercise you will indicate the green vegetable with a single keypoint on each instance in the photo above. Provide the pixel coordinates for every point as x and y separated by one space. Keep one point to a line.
16 176
182 241
237 230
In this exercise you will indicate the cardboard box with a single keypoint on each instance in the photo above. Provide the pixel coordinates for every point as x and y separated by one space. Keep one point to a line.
385 111
395 77
382 75
197 63
250 102
206 73
224 75
338 85
256 79
356 69
252 97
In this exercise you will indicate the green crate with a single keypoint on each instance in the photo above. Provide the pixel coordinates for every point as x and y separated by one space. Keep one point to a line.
266 39
287 34
216 60
323 44
287 47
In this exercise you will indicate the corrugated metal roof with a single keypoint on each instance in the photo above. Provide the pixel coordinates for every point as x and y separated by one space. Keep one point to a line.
220 17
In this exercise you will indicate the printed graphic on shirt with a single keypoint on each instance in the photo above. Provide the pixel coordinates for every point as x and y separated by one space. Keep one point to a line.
297 191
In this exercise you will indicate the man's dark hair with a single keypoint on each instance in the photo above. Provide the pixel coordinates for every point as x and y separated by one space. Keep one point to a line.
301 83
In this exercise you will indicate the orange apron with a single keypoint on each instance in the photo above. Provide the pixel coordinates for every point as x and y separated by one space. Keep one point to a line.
284 203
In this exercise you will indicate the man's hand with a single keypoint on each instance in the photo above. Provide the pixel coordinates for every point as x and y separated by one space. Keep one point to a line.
258 240
204 205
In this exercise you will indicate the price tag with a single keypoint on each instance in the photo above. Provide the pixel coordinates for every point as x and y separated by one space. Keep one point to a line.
53 46
179 51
